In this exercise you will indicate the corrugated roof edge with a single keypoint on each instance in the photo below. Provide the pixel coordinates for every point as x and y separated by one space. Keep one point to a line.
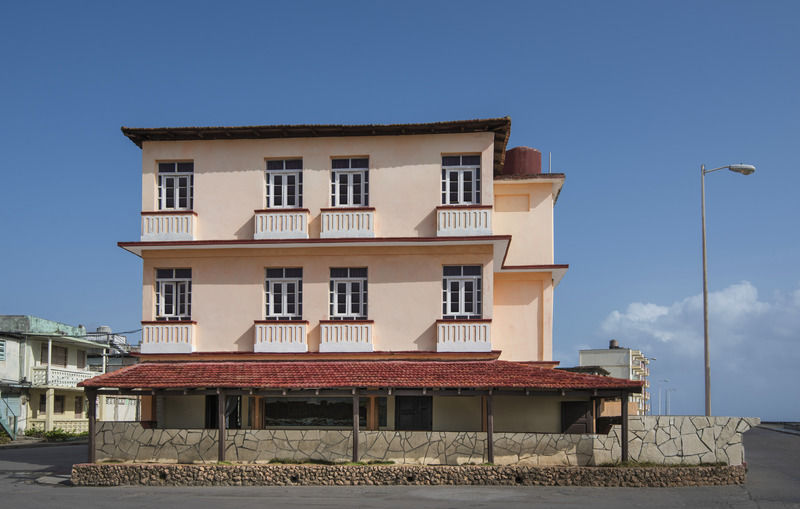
500 126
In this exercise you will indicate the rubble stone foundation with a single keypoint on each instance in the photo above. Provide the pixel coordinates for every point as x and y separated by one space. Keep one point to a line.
348 475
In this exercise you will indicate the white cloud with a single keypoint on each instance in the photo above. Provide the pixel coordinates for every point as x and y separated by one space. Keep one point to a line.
680 324
755 348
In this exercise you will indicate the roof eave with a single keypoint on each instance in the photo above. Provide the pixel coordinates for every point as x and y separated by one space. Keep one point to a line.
501 127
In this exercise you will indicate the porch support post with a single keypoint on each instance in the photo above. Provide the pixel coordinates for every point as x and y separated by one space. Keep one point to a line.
221 424
489 429
355 425
624 438
91 396
49 408
49 361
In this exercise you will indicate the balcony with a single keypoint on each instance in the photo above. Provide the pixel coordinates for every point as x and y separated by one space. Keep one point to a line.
169 225
168 337
347 222
280 336
281 224
464 335
345 336
60 377
463 220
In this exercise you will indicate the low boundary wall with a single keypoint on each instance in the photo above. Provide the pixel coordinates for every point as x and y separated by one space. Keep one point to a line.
341 475
661 440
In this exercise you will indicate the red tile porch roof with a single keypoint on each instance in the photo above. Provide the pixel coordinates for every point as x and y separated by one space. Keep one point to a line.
349 374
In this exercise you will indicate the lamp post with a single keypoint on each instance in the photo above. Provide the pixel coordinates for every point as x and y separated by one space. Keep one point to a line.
668 391
744 169
660 391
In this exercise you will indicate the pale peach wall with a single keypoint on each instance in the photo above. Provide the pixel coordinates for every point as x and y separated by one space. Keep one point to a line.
404 285
405 178
516 328
525 211
523 316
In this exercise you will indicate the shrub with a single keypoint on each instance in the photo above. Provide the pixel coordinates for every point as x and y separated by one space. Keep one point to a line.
59 435
34 432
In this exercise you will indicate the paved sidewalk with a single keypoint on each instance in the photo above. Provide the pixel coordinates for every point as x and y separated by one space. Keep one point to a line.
24 442
35 477
781 427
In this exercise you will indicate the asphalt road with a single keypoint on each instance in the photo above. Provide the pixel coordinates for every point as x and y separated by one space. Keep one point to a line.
29 478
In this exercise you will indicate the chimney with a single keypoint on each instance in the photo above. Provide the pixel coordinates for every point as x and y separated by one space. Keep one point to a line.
523 161
613 344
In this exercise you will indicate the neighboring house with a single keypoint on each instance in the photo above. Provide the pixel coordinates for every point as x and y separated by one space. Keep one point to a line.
378 277
112 353
42 364
621 362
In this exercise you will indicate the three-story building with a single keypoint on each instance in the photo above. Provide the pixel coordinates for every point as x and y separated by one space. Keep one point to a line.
301 270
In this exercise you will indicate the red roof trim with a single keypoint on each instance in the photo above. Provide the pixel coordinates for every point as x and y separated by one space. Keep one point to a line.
450 207
416 355
530 176
333 322
168 212
347 209
464 320
169 322
525 267
279 322
278 211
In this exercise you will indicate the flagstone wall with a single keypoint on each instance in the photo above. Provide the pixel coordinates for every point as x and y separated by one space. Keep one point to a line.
677 440
661 440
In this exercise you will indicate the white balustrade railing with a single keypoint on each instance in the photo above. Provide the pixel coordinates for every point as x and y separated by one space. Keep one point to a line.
60 377
171 225
464 336
463 220
346 336
281 224
348 222
280 337
70 425
168 337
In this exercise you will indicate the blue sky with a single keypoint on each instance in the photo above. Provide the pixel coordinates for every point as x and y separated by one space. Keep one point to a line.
630 98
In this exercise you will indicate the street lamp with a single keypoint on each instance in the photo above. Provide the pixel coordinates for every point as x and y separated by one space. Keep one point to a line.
744 169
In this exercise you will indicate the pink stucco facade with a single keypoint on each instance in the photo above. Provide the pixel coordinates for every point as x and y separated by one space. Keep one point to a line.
404 253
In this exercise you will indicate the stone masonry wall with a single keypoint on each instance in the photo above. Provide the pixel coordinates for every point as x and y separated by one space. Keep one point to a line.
677 440
129 441
661 440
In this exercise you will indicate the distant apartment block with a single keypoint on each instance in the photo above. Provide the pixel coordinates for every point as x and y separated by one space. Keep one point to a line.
622 362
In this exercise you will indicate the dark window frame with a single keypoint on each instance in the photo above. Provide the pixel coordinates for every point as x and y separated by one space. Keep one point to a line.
173 294
173 178
283 278
278 173
348 293
461 179
349 182
462 292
